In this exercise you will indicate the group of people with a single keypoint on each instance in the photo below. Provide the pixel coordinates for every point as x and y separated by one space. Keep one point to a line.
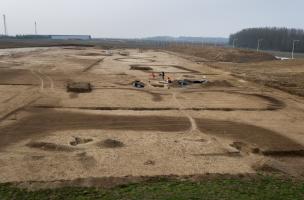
163 76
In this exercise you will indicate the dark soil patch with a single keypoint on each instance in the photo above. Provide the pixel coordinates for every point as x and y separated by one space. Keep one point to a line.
268 167
17 77
272 105
264 139
152 109
37 157
158 85
155 96
245 148
218 83
188 76
203 83
186 82
141 68
43 121
145 59
149 162
74 48
115 108
79 87
93 65
20 84
227 154
295 153
110 143
91 54
174 66
73 95
197 140
45 146
78 140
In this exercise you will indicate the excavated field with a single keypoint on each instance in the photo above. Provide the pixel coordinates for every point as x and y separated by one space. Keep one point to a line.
225 126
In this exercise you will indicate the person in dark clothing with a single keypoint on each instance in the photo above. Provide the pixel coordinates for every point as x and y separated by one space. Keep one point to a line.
162 74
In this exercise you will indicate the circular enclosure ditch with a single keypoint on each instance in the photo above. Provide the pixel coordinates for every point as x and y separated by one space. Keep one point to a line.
229 101
136 59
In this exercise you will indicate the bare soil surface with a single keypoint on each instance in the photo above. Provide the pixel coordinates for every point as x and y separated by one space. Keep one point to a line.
38 120
221 54
264 139
117 133
285 75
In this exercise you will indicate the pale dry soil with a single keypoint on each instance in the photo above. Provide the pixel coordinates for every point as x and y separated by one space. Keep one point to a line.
228 126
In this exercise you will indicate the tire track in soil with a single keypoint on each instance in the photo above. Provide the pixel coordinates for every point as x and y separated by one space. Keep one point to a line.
86 69
185 113
51 81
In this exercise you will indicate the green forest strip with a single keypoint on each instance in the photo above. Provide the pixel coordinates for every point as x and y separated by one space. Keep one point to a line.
265 188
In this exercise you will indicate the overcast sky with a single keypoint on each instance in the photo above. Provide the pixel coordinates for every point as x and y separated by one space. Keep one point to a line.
141 18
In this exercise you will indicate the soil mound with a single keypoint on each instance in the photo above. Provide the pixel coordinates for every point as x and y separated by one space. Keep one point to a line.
49 146
78 141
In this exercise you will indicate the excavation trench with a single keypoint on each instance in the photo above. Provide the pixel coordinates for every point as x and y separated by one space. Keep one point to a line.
270 103
42 122
269 142
150 68
157 97
93 65
136 59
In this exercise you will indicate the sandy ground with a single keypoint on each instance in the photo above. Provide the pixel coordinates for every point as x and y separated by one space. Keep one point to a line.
228 126
286 75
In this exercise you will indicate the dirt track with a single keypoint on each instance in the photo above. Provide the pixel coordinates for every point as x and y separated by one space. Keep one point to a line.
227 126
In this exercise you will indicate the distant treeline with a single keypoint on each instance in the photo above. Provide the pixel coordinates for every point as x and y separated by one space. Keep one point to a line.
279 39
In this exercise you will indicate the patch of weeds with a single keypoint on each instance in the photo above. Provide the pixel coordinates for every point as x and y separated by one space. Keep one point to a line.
264 188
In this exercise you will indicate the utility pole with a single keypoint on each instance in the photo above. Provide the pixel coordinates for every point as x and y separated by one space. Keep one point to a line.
5 26
293 47
36 32
259 44
234 40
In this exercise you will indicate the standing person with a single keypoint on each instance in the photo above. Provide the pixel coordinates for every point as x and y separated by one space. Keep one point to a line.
162 74
153 75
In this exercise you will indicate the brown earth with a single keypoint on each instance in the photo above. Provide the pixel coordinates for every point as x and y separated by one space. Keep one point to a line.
221 54
266 140
49 135
37 124
287 75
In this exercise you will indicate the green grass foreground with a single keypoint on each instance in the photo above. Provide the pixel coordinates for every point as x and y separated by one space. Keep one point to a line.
265 188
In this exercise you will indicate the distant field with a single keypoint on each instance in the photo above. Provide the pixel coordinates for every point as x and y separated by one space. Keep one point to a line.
285 54
221 54
287 75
